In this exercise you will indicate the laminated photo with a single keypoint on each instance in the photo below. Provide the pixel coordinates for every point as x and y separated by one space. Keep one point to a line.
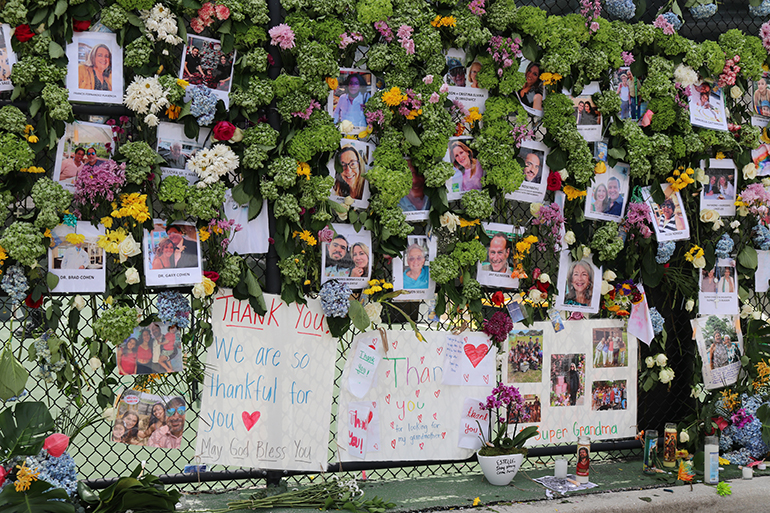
348 257
707 107
580 284
149 420
411 272
153 349
568 379
204 63
720 344
468 171
464 90
623 82
532 189
607 196
531 96
718 289
348 101
497 269
82 144
416 204
176 149
77 259
95 69
524 356
348 167
172 254
668 218
7 57
587 115
719 193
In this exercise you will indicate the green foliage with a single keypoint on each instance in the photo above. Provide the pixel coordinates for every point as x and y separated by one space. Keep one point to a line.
23 429
41 497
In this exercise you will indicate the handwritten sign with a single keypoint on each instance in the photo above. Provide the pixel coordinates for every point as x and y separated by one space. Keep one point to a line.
268 393
418 413
366 358
469 359
361 417
472 417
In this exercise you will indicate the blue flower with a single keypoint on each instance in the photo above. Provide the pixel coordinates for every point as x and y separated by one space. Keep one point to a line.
335 298
204 103
15 283
665 251
657 320
724 246
174 308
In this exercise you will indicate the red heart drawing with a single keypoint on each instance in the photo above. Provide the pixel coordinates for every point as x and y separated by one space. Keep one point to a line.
393 443
465 339
438 350
422 446
419 418
422 359
434 417
249 419
443 434
436 393
392 425
395 344
376 447
475 353
387 398
485 377
387 374
466 376
417 393
370 417
374 404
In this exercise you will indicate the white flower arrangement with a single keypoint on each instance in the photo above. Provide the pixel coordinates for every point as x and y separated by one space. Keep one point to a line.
210 164
145 95
160 24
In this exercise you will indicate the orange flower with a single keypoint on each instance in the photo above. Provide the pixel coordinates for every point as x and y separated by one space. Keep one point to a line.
173 111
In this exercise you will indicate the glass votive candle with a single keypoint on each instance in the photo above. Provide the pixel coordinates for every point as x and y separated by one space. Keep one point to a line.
561 469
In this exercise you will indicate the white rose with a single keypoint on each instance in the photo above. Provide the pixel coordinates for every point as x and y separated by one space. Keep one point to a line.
586 252
650 361
708 215
95 363
606 287
346 127
79 302
609 275
128 248
569 238
343 216
132 276
684 437
699 263
661 359
736 225
199 291
450 221
564 174
534 208
535 296
349 200
544 278
749 171
689 305
700 176
373 310
735 92
666 375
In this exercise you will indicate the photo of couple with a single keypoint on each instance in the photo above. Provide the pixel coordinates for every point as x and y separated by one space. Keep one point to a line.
149 420
82 144
176 247
606 196
347 258
156 349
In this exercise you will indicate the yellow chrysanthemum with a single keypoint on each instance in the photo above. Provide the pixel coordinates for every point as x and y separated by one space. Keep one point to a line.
473 115
182 83
550 78
111 240
600 168
28 129
33 139
387 286
306 236
3 255
133 205
106 221
303 169
24 477
464 223
75 238
573 193
32 169
720 155
333 83
393 97
204 234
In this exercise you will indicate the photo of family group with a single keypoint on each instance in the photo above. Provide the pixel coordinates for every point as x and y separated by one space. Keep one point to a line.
76 258
497 270
82 144
531 96
348 100
411 272
176 149
149 420
718 291
95 70
609 395
204 63
761 96
347 258
531 410
624 83
533 155
7 58
348 167
525 356
719 193
610 347
607 195
720 344
568 374
707 107
416 204
468 171
465 92
667 218
154 349
172 254
579 285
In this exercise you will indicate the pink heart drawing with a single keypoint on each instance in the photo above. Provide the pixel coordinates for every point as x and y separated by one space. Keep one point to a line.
443 434
393 443
387 374
422 359
434 417
392 425
475 353
485 377
466 377
422 446
417 393
395 344
436 393
376 447
249 419
419 418
370 417
387 398
438 350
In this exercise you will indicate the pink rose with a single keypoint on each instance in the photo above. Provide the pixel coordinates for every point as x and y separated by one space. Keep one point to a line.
224 130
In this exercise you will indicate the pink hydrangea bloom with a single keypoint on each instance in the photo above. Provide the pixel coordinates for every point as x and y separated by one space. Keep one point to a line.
282 35
427 79
404 31
206 12
662 23
384 30
627 57
764 33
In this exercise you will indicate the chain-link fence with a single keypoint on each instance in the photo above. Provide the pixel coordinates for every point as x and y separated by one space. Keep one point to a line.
99 460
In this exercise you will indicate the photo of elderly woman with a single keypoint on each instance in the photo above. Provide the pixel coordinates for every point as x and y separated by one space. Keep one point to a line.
416 272
411 271
95 69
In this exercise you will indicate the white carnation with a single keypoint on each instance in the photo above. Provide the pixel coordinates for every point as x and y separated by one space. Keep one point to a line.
685 75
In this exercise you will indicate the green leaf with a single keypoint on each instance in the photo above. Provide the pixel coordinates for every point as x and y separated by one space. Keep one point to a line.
55 50
239 195
13 376
41 497
358 315
23 429
39 16
675 9
135 20
61 7
411 135
617 153
226 27
557 159
255 207
255 292
35 105
748 257
51 280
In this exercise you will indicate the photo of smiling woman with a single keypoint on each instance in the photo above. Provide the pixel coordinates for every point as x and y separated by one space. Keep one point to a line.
95 72
579 285
95 69
416 273
348 167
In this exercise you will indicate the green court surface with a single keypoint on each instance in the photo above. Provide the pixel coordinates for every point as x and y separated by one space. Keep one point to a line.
460 491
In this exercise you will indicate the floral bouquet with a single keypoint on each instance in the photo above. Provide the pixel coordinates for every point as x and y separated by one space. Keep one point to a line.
511 402
755 200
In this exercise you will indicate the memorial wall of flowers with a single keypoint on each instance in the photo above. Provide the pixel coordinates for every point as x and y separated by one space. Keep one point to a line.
458 153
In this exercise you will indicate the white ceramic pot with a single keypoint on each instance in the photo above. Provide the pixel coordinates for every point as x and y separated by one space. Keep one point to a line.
500 470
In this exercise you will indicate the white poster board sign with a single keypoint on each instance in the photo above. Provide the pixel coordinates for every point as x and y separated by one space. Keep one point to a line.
268 390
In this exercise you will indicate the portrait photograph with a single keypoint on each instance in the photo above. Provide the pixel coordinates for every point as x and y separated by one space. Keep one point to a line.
95 69
587 115
580 284
82 144
531 96
347 102
525 356
411 271
720 345
348 257
609 395
176 149
468 171
204 63
718 289
7 57
707 107
348 167
416 204
76 258
532 189
464 89
610 347
497 269
568 377
607 196
153 349
253 236
149 420
172 254
623 82
760 96
719 193
668 218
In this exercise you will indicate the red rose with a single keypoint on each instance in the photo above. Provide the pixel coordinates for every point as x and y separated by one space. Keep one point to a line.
211 275
33 304
81 25
542 287
24 33
554 181
224 130
498 298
